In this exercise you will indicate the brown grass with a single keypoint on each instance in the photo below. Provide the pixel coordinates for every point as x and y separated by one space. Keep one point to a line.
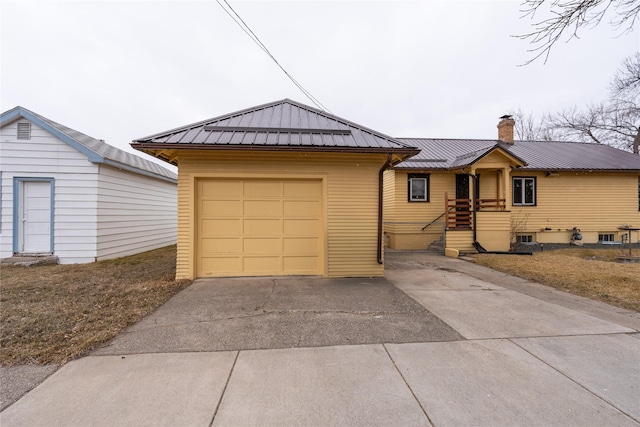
54 313
592 273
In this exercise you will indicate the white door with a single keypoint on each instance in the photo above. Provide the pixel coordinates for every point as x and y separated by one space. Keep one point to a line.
34 217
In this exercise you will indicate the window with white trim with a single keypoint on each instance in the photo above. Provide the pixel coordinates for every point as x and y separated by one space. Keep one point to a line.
524 238
606 237
418 187
524 191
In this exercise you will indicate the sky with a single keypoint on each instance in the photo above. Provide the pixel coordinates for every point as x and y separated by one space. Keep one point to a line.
119 70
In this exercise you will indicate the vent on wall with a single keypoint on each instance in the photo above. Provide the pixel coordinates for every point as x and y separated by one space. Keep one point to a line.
24 130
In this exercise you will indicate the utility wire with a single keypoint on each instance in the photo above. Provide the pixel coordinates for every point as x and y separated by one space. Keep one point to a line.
238 20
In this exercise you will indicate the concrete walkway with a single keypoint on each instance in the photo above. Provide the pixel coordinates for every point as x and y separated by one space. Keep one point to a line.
497 351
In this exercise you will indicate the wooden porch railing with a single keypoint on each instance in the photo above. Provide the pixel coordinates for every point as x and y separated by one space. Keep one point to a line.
458 212
493 204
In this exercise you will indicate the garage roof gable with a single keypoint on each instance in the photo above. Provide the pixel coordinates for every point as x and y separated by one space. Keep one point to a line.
280 125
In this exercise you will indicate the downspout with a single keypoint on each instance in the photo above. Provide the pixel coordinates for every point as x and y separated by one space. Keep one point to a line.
380 194
474 208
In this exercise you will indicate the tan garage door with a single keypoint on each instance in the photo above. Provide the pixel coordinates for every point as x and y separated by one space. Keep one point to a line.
259 227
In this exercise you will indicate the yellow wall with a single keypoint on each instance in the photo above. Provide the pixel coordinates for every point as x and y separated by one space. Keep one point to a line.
350 207
493 230
593 202
404 220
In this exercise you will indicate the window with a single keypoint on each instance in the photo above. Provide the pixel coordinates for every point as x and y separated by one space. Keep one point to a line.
418 187
524 238
606 237
524 191
24 130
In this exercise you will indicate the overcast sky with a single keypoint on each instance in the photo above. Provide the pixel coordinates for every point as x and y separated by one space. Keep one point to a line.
120 70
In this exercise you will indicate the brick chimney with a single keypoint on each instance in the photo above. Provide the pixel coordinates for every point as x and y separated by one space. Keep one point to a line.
505 129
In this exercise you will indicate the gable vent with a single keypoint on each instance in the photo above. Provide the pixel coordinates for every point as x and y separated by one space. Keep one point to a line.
24 130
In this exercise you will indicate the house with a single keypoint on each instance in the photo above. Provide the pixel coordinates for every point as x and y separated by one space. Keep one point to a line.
67 194
496 192
278 189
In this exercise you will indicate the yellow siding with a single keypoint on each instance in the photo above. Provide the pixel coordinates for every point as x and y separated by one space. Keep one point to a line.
593 202
350 205
461 240
404 222
493 230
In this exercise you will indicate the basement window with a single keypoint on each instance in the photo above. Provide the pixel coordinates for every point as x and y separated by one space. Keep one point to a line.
524 191
418 187
24 130
606 237
524 238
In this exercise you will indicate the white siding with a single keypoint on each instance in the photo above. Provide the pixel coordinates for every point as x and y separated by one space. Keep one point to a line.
100 212
135 213
75 182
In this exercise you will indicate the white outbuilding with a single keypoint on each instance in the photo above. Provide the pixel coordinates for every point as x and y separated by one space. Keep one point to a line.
66 194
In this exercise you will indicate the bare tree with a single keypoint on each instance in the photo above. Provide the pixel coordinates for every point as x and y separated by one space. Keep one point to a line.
569 16
615 122
626 82
531 128
611 123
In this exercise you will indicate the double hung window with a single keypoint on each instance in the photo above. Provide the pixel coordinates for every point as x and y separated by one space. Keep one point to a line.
524 191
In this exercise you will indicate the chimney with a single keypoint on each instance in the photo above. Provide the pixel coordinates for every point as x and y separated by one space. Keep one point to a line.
505 129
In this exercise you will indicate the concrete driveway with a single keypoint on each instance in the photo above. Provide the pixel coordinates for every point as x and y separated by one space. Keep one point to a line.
437 342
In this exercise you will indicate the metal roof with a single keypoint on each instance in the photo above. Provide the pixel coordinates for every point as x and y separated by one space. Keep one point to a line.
450 154
284 124
96 150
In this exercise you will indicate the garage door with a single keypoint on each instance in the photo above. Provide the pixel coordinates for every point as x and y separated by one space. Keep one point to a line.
258 227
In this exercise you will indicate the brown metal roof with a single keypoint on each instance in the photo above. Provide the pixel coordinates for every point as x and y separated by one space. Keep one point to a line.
450 154
284 124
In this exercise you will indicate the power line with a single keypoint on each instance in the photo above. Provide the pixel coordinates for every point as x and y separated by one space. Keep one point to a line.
238 20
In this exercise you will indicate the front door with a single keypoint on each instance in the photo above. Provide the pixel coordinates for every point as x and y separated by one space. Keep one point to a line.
33 217
463 215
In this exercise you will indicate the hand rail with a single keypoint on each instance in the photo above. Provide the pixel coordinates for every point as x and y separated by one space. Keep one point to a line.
435 220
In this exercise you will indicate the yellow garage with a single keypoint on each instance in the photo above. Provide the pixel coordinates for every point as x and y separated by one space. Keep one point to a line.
257 227
278 189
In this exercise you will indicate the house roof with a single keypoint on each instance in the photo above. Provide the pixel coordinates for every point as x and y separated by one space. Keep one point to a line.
96 150
281 125
449 154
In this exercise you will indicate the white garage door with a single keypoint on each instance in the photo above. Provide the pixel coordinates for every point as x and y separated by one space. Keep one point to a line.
259 227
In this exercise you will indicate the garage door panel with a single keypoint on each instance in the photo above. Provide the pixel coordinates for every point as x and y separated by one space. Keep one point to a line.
220 227
301 227
221 246
263 227
262 265
263 208
301 264
308 245
259 227
263 189
218 188
301 208
301 189
217 208
262 246
211 266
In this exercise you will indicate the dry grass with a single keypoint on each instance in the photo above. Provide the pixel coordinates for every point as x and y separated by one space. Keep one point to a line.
53 313
592 273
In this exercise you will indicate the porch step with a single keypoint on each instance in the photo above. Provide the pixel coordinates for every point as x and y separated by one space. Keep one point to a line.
28 261
437 246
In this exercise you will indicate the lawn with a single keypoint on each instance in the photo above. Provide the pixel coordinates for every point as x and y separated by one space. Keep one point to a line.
592 273
54 313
